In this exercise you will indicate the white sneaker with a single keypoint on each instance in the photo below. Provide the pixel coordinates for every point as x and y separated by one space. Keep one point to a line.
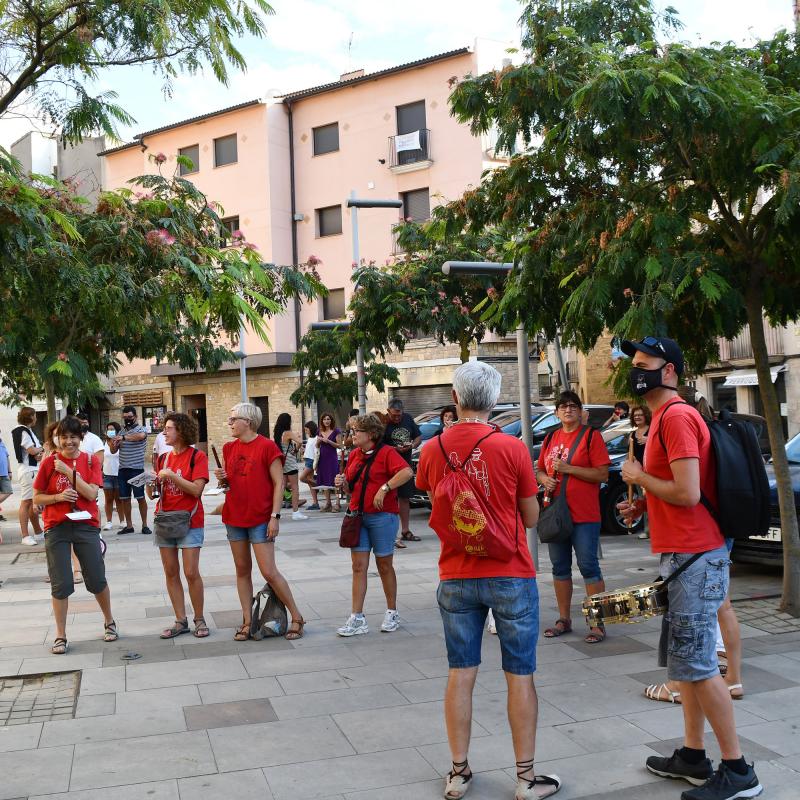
31 541
354 626
644 535
391 621
108 526
490 626
299 515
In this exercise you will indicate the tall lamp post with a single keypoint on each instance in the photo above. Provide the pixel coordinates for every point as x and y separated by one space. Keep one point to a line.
355 203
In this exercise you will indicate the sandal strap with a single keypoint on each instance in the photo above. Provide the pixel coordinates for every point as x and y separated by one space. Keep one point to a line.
59 640
524 766
459 768
110 626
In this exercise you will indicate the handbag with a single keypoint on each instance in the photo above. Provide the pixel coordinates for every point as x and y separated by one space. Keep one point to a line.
174 524
555 523
350 533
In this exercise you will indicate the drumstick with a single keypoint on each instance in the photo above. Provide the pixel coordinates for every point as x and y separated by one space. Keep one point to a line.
630 485
74 481
341 472
223 482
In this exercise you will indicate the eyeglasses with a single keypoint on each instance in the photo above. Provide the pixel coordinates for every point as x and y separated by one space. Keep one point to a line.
358 430
569 407
652 341
231 420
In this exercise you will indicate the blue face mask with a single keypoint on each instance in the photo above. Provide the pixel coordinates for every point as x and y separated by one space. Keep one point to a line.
110 432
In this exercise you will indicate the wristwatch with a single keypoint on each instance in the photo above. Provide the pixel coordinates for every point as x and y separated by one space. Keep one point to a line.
123 437
275 516
386 487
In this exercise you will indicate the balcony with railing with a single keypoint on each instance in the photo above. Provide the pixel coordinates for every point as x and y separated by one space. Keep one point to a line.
739 350
410 151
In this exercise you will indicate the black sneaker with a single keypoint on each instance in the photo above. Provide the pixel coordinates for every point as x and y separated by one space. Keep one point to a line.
123 531
725 784
676 767
146 531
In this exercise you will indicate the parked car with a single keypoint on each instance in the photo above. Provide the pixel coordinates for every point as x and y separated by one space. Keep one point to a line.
429 424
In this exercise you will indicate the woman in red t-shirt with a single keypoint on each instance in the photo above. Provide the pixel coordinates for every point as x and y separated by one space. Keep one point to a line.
68 483
387 471
587 469
182 475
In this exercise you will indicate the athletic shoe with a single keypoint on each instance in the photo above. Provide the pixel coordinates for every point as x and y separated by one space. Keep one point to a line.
391 622
725 784
297 516
146 531
30 541
313 507
108 526
644 535
675 767
354 626
490 626
123 531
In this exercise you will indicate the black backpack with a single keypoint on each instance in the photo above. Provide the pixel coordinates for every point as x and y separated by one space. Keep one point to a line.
743 497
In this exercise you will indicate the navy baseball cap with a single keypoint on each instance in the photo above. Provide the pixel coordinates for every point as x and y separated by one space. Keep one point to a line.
658 346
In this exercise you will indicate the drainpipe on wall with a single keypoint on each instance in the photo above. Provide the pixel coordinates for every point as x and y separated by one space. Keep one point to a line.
295 254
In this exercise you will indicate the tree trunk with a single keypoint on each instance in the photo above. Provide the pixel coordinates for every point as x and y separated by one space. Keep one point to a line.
790 601
464 343
50 394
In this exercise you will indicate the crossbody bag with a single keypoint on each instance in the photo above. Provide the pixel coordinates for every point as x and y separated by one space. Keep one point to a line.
174 524
350 534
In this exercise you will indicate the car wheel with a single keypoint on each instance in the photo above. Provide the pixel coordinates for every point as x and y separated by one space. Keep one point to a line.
612 519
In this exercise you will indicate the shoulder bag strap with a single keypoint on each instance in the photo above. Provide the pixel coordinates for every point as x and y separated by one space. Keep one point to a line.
680 569
370 461
572 450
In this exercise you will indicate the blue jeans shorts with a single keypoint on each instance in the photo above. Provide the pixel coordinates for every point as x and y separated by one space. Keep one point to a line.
110 482
464 604
256 534
192 539
309 462
5 485
584 540
378 532
690 624
125 489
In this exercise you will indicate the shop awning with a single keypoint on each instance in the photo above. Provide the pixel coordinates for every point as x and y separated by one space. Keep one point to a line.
742 377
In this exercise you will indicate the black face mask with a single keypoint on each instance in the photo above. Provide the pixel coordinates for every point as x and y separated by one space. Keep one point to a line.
643 381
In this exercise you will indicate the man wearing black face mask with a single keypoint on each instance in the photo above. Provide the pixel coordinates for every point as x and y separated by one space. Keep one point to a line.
679 478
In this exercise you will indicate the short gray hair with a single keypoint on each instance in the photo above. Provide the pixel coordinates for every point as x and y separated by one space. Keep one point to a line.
248 411
396 403
477 386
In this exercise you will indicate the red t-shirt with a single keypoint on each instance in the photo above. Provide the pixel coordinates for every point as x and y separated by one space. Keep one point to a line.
500 464
173 498
49 481
388 462
249 501
583 497
678 529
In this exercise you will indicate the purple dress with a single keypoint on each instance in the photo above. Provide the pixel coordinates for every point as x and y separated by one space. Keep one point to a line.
328 464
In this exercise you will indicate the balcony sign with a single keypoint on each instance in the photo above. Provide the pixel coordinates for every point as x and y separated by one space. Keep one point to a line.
741 377
407 141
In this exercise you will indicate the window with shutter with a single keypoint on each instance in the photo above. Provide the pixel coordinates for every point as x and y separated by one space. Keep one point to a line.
326 139
225 150
417 205
329 221
333 306
193 154
411 117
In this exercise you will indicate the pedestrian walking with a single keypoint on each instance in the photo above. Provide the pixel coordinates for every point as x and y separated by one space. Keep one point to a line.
111 478
373 475
289 444
678 475
182 477
29 452
66 483
404 435
131 444
253 470
577 451
499 471
310 455
6 489
329 442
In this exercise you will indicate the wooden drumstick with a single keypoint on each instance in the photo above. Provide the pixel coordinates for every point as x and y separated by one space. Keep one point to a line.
223 482
74 482
630 485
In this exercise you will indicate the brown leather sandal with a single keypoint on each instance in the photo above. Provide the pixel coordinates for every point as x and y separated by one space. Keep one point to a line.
291 635
242 633
563 625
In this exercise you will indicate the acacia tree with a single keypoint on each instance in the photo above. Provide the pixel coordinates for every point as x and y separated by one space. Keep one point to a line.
145 275
50 48
658 192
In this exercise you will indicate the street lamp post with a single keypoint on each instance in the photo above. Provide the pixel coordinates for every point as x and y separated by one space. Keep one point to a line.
355 203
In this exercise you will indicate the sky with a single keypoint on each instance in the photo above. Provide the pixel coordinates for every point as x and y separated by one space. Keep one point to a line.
310 42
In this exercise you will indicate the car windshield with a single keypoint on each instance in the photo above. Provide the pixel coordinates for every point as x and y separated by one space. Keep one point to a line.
618 445
793 449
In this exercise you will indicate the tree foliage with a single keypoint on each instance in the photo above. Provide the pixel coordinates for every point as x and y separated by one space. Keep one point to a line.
49 49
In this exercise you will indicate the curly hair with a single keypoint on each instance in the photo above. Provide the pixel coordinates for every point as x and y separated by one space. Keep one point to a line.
645 410
372 425
185 426
26 416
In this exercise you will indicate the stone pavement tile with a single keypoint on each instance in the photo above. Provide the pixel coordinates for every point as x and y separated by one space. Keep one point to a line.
780 704
497 752
246 785
220 643
602 697
33 666
224 715
103 680
776 664
596 735
665 721
778 778
616 770
27 772
350 774
338 701
612 646
30 635
432 667
154 699
226 619
229 691
147 758
751 750
147 655
650 638
180 673
274 743
757 680
625 664
329 656
113 726
161 790
556 672
400 726
560 651
429 689
9 666
96 705
484 786
307 682
385 649
379 673
665 790
782 737
20 737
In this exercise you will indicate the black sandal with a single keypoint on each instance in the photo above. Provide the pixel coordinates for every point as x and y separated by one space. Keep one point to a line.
457 781
180 626
555 631
526 788
110 634
59 647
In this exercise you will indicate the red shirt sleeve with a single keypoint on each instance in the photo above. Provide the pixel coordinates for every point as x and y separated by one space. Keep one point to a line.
43 475
95 476
598 452
540 464
200 466
271 452
426 456
681 434
394 462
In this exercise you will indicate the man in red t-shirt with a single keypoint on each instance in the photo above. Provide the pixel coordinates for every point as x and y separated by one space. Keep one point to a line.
470 585
679 476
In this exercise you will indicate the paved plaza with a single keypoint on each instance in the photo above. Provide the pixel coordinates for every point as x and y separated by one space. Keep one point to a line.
325 717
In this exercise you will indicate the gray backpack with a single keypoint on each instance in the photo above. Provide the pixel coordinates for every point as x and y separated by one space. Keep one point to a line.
269 615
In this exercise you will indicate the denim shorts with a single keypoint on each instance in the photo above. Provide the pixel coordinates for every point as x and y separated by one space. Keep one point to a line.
5 485
464 604
378 532
125 489
192 539
584 540
309 462
110 482
690 625
256 534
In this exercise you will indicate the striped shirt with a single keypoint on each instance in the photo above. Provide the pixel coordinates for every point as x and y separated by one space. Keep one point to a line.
131 454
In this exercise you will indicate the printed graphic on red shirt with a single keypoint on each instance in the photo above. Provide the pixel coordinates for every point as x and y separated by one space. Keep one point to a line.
48 481
173 498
